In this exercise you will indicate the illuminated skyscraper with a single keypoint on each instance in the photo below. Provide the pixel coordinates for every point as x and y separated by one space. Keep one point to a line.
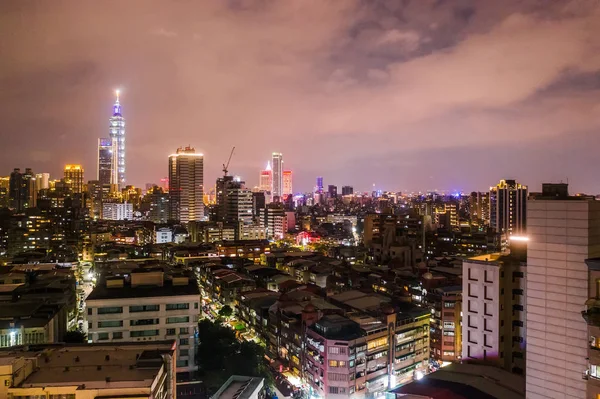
74 176
287 183
508 208
186 185
117 137
319 187
266 179
277 163
104 161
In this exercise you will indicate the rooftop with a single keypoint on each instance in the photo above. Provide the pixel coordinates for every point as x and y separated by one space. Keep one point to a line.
143 291
465 381
96 366
239 387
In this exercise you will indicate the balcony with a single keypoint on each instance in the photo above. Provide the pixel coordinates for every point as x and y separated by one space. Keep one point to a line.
592 314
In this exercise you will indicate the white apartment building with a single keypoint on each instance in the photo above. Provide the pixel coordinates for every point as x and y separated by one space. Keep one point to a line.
493 321
148 306
117 211
563 232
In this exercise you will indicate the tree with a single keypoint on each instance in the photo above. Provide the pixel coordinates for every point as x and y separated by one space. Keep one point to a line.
226 311
221 355
75 337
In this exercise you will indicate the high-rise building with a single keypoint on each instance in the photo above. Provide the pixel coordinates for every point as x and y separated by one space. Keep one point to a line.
277 162
234 201
508 208
287 183
479 207
22 190
186 185
347 190
563 233
494 313
266 179
42 181
117 138
319 187
74 176
104 167
332 191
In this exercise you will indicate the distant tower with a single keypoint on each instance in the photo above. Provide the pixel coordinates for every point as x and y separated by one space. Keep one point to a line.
74 176
266 179
186 185
117 137
104 168
277 163
319 188
287 183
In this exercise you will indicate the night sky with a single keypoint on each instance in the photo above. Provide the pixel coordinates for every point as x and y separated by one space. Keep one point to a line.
409 95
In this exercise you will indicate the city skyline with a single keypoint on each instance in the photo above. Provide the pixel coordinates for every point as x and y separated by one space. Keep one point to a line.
368 97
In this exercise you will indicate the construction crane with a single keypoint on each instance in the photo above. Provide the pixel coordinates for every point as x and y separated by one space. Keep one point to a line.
225 166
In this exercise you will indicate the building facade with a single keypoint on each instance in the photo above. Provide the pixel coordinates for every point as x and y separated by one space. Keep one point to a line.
151 306
287 183
494 305
266 179
186 185
563 233
508 208
117 211
73 175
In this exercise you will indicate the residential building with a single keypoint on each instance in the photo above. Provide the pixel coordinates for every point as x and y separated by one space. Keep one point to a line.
367 352
446 328
186 185
274 219
144 370
508 208
117 211
494 308
163 235
151 304
479 208
277 164
74 176
563 233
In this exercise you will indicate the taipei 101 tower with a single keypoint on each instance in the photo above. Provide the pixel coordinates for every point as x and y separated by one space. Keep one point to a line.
117 138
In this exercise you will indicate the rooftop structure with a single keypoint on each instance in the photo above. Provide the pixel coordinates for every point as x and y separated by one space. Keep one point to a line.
140 370
239 387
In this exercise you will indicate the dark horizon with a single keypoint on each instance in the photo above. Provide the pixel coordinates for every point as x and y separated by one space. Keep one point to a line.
410 96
